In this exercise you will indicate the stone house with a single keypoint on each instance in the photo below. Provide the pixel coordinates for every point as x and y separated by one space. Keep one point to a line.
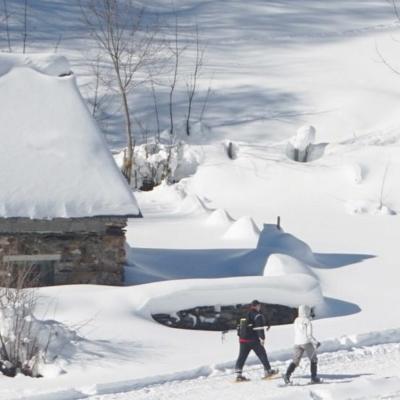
64 204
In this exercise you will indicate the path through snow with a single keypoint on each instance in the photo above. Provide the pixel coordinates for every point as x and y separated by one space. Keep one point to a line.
362 373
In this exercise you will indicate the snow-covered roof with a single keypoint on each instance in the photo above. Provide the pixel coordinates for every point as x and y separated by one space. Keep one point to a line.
54 161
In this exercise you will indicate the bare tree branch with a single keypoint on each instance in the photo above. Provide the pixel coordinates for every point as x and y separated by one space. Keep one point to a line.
192 84
7 24
120 31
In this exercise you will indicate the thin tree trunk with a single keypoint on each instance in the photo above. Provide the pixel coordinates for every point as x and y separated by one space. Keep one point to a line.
25 34
173 84
7 25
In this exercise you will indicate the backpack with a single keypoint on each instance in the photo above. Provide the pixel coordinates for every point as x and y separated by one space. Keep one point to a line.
242 328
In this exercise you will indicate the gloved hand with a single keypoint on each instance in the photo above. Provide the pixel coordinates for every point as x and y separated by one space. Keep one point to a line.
318 344
262 342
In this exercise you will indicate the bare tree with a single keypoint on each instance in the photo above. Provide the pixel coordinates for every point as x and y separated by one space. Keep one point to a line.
7 24
205 102
97 99
382 188
175 51
57 45
191 85
25 27
155 103
120 31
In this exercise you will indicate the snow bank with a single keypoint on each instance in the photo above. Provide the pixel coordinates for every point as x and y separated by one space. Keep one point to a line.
54 161
278 241
282 264
172 296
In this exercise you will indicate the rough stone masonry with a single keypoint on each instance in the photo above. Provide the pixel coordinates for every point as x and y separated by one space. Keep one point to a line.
64 251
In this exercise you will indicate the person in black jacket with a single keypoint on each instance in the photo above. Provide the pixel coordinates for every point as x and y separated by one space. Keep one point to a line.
253 340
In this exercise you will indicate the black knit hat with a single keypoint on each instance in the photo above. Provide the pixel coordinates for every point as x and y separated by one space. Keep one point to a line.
255 303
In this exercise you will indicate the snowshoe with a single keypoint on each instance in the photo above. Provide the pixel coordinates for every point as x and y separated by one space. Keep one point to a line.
286 379
242 378
270 374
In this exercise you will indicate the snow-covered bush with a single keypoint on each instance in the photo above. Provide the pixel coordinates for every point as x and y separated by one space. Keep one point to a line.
156 162
29 345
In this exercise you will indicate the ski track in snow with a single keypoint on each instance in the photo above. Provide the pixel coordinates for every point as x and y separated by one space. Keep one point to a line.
361 373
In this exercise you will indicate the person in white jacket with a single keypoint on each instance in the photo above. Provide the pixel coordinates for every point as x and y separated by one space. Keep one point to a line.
304 342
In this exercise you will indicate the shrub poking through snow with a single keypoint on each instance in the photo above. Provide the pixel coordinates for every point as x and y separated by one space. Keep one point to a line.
27 345
157 162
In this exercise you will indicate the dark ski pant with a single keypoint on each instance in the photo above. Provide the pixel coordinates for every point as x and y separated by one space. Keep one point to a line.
245 349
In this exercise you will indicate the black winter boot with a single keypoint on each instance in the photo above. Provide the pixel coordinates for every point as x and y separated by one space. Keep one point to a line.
314 377
289 372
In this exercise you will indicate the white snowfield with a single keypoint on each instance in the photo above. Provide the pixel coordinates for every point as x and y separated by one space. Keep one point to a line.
277 66
54 161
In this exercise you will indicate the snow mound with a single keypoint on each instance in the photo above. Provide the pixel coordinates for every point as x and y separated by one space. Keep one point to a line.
172 296
278 241
243 229
283 264
219 217
304 137
48 64
192 204
355 207
353 172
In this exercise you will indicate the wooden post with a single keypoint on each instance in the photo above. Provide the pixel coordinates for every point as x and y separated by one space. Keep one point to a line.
278 223
231 151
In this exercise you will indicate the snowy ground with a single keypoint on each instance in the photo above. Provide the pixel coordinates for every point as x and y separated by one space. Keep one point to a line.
277 65
341 374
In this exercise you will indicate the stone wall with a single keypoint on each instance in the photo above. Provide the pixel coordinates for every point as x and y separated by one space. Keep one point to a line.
92 250
224 318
